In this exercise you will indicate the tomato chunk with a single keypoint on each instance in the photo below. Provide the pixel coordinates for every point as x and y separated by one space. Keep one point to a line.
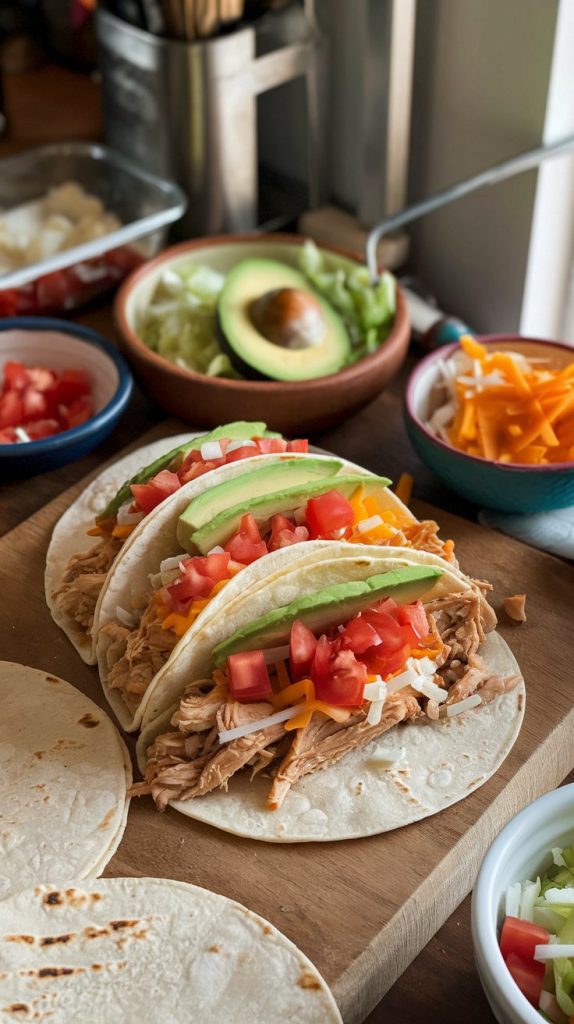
247 545
528 975
148 496
327 513
248 676
302 645
301 445
339 678
520 937
271 445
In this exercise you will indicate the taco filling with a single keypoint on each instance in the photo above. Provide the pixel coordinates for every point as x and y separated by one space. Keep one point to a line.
85 574
184 586
291 709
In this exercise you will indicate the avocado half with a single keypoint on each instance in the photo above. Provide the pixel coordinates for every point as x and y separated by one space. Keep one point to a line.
250 351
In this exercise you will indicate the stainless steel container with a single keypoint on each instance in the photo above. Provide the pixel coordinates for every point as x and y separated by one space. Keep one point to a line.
188 111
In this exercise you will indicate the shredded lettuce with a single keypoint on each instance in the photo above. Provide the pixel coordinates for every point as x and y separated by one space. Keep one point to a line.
180 322
367 310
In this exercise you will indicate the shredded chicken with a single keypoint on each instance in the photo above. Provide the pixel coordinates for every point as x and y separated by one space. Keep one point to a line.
515 607
83 578
135 655
477 677
199 706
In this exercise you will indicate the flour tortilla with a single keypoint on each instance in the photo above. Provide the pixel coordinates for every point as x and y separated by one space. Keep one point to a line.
70 537
65 772
156 539
151 950
444 762
271 582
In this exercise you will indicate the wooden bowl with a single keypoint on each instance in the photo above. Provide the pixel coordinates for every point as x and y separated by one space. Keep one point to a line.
293 408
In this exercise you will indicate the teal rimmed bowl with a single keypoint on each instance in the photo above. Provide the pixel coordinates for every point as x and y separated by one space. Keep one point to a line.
508 487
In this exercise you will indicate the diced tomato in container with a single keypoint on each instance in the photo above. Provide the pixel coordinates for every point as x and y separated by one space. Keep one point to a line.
528 975
42 401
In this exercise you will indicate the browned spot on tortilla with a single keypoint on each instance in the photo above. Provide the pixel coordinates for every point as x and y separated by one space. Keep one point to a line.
52 679
21 938
142 934
46 798
359 788
96 967
95 933
63 744
107 819
17 1008
77 898
118 925
51 940
39 754
308 980
403 771
39 785
88 721
520 701
54 972
267 930
213 949
53 898
476 782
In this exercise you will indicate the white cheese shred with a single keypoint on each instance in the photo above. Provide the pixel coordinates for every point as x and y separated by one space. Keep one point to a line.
462 705
227 735
553 951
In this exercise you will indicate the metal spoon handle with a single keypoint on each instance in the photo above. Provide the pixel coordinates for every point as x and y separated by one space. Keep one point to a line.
524 162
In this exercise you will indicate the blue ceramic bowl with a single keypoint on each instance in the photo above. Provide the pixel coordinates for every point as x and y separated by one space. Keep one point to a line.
509 487
39 341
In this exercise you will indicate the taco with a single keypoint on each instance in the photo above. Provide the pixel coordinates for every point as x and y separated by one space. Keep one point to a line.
77 567
150 949
372 699
63 802
240 528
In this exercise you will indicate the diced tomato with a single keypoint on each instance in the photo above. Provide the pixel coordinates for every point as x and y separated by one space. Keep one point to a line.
339 678
414 615
520 937
245 452
328 512
42 428
15 376
390 632
528 975
247 545
55 290
382 664
248 676
44 380
302 645
284 532
11 410
149 495
190 470
271 445
79 411
359 635
8 436
34 404
71 384
250 528
301 445
186 588
215 566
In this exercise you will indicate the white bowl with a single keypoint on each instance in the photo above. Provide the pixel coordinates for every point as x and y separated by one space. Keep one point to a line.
521 851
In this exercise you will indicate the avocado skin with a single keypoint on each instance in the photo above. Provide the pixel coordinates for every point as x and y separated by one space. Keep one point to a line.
283 472
235 431
273 362
223 526
329 607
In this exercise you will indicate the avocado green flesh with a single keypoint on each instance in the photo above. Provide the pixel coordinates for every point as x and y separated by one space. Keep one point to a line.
223 526
249 486
246 283
234 431
332 606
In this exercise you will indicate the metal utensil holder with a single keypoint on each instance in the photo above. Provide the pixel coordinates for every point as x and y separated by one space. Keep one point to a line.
189 111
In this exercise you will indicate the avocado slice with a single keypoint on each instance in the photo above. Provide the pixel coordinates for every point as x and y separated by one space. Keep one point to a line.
224 525
251 351
332 606
237 430
287 473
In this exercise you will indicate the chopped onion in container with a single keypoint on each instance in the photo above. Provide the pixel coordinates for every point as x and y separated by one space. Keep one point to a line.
513 894
558 858
553 951
530 893
227 735
563 896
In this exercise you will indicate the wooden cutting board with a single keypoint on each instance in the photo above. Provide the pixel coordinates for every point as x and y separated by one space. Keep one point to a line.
364 908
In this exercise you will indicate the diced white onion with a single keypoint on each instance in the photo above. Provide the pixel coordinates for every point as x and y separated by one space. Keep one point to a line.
530 893
564 896
513 894
462 705
553 951
125 617
21 434
375 712
125 517
170 563
227 735
376 690
558 858
274 654
155 580
300 515
211 450
217 550
425 685
386 757
234 445
369 524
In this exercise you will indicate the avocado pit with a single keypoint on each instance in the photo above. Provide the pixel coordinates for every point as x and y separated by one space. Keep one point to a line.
289 317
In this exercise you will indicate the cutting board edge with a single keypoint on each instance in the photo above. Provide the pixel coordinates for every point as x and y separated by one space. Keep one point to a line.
370 976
